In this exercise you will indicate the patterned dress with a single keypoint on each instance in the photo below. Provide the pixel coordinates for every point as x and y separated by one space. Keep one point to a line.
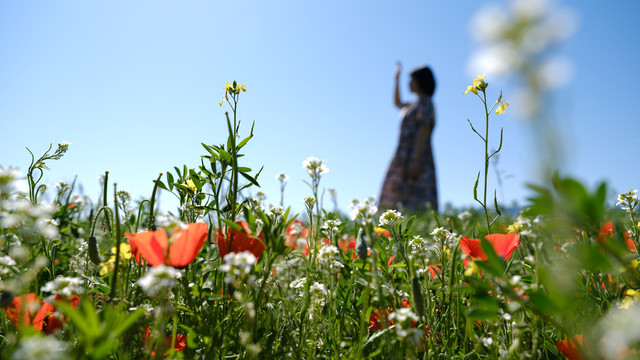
399 191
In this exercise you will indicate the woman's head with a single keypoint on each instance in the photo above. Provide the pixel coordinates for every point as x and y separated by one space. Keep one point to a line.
424 80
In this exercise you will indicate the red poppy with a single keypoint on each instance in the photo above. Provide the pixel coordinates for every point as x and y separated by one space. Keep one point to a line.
27 310
570 347
606 232
242 241
629 242
179 344
295 231
503 244
178 250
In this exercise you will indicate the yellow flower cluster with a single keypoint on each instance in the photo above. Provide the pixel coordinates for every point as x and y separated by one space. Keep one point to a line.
191 185
109 265
516 227
502 106
631 297
478 85
235 88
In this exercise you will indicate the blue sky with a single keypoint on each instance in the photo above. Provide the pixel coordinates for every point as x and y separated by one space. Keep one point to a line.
135 86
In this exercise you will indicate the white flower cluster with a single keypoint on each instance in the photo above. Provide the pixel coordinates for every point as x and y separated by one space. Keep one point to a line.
628 201
298 283
6 264
403 319
530 55
328 257
64 286
444 236
36 219
275 214
331 227
390 218
282 177
237 265
315 167
318 293
363 212
41 348
159 280
420 247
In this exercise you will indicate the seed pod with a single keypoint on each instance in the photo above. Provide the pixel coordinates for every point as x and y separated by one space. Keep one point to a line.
94 255
418 299
361 245
5 298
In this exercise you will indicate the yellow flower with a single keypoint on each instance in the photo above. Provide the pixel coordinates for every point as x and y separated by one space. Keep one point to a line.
626 303
478 84
191 185
470 88
108 266
472 268
632 296
125 251
515 227
479 81
243 88
502 107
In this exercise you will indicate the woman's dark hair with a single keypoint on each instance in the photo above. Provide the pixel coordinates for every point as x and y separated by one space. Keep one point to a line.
424 79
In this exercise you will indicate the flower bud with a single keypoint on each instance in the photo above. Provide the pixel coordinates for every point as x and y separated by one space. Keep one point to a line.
94 255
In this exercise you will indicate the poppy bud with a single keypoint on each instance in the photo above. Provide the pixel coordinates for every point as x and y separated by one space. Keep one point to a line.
418 299
94 255
5 298
361 245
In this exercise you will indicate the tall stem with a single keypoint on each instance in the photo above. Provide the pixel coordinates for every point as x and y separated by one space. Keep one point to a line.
486 160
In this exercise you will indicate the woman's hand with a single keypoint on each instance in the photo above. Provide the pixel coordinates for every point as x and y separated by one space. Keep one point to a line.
398 69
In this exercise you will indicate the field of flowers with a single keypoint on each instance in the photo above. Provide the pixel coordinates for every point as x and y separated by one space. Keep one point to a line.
227 278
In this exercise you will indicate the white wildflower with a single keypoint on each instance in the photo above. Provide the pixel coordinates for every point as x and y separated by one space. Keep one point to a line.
328 257
628 201
390 218
463 216
282 177
159 280
363 212
318 293
237 265
64 286
331 227
315 167
40 348
6 263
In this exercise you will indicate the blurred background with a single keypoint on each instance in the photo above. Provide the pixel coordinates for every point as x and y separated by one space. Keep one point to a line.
135 86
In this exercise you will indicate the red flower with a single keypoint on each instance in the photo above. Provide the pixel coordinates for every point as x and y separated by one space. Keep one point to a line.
27 310
179 344
606 232
242 241
295 231
629 242
503 244
178 250
569 347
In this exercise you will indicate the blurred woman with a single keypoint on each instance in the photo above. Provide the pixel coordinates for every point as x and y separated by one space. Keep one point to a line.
410 183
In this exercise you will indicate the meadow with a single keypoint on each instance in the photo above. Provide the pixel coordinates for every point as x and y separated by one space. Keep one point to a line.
224 277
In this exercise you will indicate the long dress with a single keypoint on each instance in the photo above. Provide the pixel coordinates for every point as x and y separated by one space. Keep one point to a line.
399 191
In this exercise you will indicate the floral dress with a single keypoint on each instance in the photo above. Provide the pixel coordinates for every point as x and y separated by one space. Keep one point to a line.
399 191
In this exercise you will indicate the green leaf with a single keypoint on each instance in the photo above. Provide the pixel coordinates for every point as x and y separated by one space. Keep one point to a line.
494 264
251 179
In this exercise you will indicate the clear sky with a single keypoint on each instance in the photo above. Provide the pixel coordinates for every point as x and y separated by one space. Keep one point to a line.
134 87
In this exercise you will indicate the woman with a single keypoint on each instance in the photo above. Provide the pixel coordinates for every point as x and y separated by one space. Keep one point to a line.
410 183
